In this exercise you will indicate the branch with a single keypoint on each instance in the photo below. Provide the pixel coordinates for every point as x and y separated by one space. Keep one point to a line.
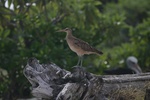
49 81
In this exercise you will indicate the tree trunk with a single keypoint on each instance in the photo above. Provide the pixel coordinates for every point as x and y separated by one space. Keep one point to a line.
51 82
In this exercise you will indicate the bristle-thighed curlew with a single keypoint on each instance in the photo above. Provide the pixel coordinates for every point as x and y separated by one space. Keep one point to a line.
79 46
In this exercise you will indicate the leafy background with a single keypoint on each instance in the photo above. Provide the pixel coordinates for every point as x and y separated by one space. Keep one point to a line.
120 28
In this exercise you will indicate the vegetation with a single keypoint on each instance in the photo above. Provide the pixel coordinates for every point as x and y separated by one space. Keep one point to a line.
119 28
129 93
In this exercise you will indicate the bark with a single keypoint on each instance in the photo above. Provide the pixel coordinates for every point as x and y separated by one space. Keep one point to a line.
51 82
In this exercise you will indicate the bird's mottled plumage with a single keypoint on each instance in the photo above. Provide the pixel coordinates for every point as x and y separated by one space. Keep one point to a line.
79 46
85 46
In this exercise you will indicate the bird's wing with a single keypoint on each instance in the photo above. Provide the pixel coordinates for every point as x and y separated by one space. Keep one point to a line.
118 71
85 46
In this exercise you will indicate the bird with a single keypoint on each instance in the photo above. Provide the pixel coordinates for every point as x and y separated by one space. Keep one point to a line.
79 46
132 68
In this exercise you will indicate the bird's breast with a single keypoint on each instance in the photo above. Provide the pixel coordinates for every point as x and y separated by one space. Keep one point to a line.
76 48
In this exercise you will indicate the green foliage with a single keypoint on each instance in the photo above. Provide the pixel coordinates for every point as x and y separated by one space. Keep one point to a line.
132 36
120 29
140 38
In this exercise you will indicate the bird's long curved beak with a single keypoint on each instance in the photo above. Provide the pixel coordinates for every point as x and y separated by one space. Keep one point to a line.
63 30
138 70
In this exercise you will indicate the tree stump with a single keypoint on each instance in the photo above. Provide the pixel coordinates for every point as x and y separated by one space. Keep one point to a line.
51 82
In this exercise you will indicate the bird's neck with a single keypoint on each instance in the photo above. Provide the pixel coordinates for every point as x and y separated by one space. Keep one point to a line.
69 34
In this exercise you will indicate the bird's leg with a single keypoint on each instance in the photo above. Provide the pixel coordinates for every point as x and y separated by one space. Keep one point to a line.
79 60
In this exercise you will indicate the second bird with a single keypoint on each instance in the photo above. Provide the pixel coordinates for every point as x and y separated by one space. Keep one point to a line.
79 46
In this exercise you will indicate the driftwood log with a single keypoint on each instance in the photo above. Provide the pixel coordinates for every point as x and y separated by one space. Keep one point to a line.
51 82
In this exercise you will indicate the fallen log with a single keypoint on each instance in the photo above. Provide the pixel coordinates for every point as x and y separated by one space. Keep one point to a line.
51 82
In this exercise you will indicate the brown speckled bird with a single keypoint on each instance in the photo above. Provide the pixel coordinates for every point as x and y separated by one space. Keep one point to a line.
79 46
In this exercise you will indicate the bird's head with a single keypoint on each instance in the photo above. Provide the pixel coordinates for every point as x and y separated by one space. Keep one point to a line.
67 30
132 64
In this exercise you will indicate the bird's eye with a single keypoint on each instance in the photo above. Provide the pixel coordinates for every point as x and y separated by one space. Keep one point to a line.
133 63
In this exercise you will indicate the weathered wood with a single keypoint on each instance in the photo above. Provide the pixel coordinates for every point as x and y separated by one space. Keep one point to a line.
51 82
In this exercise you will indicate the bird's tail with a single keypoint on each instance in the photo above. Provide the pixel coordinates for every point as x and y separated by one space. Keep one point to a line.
98 52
